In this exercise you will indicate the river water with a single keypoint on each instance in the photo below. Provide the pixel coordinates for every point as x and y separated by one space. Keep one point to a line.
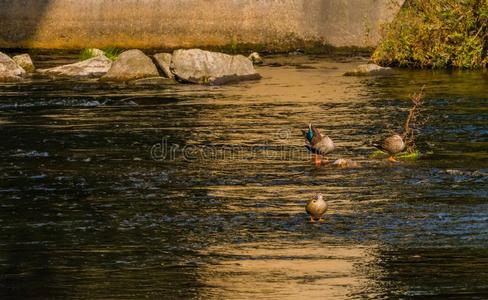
116 192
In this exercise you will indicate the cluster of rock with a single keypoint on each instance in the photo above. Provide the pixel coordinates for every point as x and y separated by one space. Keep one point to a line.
14 69
135 67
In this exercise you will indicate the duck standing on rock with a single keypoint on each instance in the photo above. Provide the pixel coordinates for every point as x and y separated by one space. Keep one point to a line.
316 208
392 145
318 144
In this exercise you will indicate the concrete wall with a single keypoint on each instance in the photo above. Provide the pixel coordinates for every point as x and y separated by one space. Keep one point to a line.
277 24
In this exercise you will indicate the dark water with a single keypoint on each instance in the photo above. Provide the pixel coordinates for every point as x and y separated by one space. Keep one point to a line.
87 213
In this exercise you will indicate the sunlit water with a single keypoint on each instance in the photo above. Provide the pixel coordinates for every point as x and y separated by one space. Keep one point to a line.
87 212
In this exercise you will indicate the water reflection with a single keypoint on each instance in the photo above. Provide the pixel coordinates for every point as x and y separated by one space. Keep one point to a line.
86 213
314 269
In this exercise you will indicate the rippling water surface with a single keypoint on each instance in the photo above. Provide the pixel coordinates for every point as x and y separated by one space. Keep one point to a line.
86 212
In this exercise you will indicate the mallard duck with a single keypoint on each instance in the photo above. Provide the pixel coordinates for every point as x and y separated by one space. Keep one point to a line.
392 145
318 144
316 208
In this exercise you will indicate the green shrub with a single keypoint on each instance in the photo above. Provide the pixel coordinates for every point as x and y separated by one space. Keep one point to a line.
112 52
85 54
436 34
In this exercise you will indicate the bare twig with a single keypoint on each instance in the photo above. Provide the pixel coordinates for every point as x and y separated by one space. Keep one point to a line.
411 121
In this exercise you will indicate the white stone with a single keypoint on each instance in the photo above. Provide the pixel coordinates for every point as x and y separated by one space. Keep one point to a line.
24 61
9 70
205 67
92 67
131 65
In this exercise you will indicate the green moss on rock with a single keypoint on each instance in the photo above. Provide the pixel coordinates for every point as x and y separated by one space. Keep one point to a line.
407 155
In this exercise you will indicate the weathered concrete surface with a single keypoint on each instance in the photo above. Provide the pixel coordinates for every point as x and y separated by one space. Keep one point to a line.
276 25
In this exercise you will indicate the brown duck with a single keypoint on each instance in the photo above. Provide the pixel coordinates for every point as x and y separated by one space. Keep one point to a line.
392 145
316 208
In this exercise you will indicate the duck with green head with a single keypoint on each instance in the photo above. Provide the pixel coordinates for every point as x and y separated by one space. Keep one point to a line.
318 144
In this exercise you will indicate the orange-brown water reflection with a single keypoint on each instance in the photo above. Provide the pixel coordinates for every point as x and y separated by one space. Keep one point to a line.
313 270
87 213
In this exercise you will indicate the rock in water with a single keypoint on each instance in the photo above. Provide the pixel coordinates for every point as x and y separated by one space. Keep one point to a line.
93 67
256 58
204 67
24 61
345 163
369 69
152 81
9 70
131 65
163 60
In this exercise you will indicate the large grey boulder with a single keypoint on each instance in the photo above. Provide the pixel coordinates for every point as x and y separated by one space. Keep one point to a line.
93 67
24 61
131 65
198 66
163 60
9 70
369 69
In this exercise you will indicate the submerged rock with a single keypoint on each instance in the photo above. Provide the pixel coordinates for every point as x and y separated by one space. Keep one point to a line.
369 69
163 60
9 69
256 58
152 81
24 61
131 65
92 67
198 66
345 163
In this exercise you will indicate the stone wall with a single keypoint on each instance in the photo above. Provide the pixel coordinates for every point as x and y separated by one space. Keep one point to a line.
274 24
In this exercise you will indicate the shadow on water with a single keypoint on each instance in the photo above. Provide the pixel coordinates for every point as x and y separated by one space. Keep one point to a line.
87 213
409 272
